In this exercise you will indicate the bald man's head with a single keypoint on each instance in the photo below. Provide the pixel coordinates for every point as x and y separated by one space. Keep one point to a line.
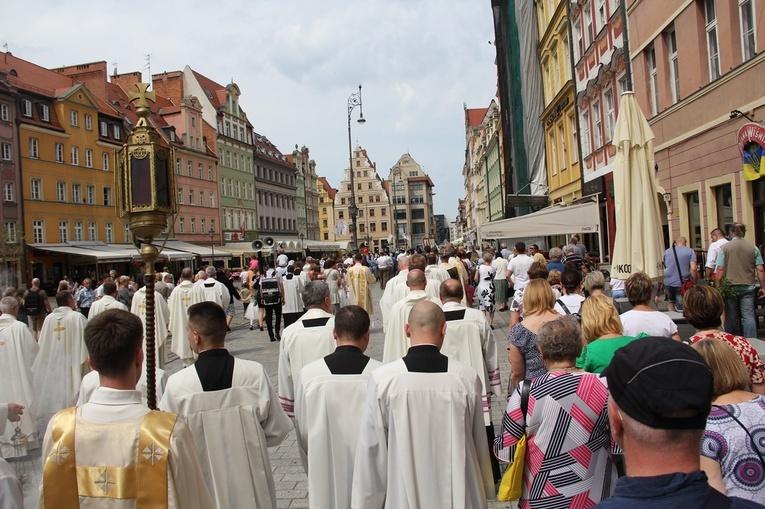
451 291
427 324
415 279
417 261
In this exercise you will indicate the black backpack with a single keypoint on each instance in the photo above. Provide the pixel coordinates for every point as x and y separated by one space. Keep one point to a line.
269 291
32 302
576 316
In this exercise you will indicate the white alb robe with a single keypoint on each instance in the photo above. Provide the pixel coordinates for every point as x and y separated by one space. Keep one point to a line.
161 320
184 295
437 273
396 341
232 429
328 409
215 291
106 435
61 362
300 345
387 300
18 350
416 464
293 295
471 341
92 381
104 303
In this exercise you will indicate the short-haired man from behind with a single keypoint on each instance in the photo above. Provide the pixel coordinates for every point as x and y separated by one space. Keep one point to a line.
661 395
113 451
718 240
329 401
308 339
108 301
428 451
37 306
232 411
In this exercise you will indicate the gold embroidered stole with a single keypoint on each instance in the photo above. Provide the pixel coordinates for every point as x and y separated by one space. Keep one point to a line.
64 482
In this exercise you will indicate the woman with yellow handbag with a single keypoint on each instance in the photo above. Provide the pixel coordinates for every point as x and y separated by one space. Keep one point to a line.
564 430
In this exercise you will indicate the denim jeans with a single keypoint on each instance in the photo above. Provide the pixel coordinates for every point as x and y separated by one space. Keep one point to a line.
741 307
673 295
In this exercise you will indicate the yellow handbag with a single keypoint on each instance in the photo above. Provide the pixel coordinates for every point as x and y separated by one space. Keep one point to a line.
511 487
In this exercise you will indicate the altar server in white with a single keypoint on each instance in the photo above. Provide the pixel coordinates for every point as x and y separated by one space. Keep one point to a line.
400 289
114 452
11 494
215 291
108 301
469 339
422 441
329 400
396 340
233 413
387 300
62 360
161 320
92 381
308 339
185 295
18 350
435 271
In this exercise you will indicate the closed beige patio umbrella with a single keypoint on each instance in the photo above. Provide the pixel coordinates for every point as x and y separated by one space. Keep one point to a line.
639 243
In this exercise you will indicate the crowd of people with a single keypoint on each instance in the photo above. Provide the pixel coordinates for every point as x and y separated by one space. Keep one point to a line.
616 409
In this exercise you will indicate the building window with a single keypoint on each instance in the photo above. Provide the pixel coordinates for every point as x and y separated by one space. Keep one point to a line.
212 200
601 14
180 195
45 113
608 98
238 189
63 231
38 231
191 197
724 200
8 194
104 129
553 151
622 80
73 120
561 147
203 226
34 148
90 194
674 71
109 232
10 232
586 148
193 225
222 186
78 231
88 158
230 187
108 196
653 79
589 35
384 226
7 153
26 108
74 156
5 112
201 198
92 231
88 122
748 33
59 152
573 142
596 125
189 168
105 161
76 193
199 170
182 225
694 219
340 215
579 46
116 132
209 172
713 45
61 191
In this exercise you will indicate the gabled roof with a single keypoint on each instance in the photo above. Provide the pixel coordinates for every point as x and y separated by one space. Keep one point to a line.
331 191
421 179
215 92
474 116
268 151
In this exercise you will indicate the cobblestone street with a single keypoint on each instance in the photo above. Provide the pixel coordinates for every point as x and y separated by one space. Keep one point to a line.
290 479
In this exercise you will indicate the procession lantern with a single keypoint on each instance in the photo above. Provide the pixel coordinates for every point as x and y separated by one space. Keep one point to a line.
145 186
21 461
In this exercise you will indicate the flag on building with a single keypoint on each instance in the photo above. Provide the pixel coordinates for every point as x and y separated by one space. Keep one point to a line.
751 144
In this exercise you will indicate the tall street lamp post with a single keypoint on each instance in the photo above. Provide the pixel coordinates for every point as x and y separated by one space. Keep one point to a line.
212 244
145 186
353 101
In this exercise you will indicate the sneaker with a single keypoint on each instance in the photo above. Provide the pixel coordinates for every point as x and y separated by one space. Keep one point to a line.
252 328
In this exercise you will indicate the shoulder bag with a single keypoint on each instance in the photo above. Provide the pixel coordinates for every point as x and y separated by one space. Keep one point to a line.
511 487
685 284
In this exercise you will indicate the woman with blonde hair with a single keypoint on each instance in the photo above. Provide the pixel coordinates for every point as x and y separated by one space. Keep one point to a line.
602 333
732 449
538 303
594 283
642 318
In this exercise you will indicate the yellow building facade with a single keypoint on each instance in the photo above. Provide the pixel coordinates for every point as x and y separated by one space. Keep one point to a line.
326 209
564 174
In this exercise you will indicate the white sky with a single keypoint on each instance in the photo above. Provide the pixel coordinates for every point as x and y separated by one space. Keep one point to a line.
296 62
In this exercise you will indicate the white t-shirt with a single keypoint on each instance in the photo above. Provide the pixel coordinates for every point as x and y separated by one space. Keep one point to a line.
617 284
282 260
714 250
519 266
573 302
653 323
384 262
500 264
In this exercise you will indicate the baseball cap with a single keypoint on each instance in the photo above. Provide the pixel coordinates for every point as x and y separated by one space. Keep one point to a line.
654 379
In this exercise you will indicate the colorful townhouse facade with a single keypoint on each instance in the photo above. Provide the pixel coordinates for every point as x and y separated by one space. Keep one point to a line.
411 203
307 193
11 247
277 188
326 199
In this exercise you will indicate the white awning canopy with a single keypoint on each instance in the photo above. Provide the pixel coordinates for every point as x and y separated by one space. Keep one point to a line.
186 247
554 220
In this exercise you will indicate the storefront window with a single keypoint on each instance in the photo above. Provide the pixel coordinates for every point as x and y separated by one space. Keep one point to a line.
694 219
724 199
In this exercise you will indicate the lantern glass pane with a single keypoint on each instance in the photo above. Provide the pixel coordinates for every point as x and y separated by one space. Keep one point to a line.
163 187
140 177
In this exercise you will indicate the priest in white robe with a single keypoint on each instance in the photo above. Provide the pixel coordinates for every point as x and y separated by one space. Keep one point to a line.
308 339
435 271
215 291
360 279
470 340
108 301
233 413
388 299
161 320
113 451
423 422
329 400
62 360
18 350
92 381
396 341
185 295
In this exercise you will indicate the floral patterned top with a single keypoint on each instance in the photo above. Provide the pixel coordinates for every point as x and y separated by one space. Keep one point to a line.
744 349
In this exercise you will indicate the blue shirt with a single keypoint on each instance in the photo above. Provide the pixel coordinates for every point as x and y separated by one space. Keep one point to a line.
555 265
669 491
85 297
685 255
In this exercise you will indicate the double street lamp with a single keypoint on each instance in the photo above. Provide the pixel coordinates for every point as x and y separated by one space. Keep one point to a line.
353 101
